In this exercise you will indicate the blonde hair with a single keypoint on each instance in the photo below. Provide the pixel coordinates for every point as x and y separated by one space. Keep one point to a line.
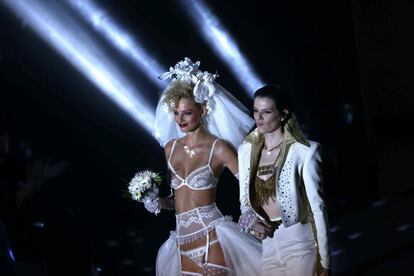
175 92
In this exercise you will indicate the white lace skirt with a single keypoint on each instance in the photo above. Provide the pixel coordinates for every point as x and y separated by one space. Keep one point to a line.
242 252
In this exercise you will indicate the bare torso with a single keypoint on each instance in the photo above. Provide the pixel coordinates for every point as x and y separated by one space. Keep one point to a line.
271 208
186 199
184 165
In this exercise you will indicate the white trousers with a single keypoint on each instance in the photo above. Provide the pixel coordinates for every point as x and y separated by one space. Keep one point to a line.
291 252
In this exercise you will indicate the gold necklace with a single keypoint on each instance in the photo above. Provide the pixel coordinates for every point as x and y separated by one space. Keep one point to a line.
269 151
268 169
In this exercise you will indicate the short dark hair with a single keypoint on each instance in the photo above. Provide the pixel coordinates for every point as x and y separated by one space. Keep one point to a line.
280 98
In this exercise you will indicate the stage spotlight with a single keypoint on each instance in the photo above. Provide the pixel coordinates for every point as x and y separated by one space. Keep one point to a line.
334 229
348 113
336 252
354 236
11 255
130 47
52 22
404 227
39 224
223 44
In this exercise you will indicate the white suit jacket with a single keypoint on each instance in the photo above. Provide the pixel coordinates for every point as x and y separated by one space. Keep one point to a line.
299 190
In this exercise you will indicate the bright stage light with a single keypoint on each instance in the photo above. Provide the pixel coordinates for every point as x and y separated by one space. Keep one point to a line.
130 47
65 35
11 255
223 44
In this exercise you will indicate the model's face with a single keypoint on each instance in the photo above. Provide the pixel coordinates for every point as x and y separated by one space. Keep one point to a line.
188 115
266 115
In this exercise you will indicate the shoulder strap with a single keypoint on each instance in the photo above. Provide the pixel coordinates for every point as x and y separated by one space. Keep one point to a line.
212 151
172 150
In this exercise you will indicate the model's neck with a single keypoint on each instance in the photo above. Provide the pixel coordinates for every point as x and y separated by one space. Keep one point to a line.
194 138
274 138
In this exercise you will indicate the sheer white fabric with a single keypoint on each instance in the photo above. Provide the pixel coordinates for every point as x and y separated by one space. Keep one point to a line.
196 223
247 220
196 180
217 270
201 178
242 252
229 119
198 255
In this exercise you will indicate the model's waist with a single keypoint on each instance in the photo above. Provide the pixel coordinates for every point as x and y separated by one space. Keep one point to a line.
186 199
195 207
197 223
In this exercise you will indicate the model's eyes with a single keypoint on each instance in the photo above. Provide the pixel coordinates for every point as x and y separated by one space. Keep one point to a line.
265 111
184 113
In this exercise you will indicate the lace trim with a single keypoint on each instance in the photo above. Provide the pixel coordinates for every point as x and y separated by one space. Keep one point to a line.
197 255
212 205
198 251
215 269
200 233
247 220
189 273
186 223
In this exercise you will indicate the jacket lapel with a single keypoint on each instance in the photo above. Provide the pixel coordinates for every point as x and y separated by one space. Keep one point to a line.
292 133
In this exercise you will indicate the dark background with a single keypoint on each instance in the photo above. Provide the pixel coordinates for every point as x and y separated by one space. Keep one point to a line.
347 64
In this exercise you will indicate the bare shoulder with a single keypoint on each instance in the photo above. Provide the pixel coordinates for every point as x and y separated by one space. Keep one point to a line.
168 147
226 155
223 148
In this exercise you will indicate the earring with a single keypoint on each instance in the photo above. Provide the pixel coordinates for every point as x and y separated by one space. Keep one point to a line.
284 116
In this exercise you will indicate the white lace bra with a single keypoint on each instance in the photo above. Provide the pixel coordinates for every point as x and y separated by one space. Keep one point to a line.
201 178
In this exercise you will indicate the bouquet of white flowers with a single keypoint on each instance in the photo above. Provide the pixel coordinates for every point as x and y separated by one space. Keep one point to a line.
144 184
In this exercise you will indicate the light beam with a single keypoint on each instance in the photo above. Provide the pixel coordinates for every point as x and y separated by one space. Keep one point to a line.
223 44
67 37
121 40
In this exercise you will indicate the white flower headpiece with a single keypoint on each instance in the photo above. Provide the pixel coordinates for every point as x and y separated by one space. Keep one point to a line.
227 119
189 72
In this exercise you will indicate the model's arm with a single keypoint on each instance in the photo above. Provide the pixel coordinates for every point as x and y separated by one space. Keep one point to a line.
227 156
152 202
247 218
312 177
167 202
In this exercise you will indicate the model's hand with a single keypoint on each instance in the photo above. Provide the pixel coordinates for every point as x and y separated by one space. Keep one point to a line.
152 202
261 230
152 205
247 220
